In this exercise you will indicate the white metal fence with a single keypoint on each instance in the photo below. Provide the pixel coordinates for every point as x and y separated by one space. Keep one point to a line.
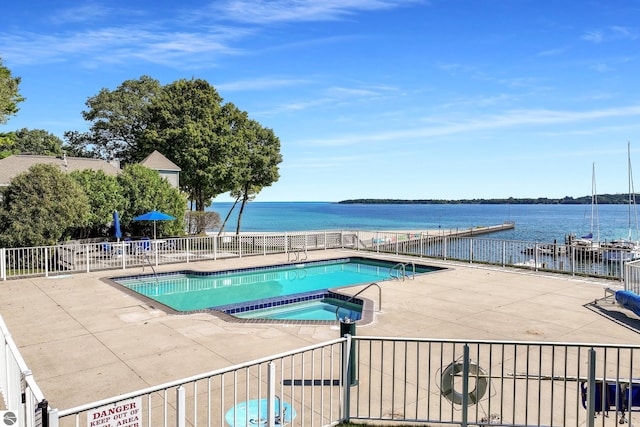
84 257
21 395
396 380
386 380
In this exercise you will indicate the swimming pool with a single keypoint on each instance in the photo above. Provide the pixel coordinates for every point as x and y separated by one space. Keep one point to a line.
259 288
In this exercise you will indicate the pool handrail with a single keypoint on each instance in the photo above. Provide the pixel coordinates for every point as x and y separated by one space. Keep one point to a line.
361 291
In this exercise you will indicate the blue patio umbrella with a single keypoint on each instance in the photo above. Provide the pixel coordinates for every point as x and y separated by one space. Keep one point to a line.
154 216
117 232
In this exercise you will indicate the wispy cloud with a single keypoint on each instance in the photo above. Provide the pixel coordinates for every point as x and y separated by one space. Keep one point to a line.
509 119
554 52
612 33
262 83
271 11
120 44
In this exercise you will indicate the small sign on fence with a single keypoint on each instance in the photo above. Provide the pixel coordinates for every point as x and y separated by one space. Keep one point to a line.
125 413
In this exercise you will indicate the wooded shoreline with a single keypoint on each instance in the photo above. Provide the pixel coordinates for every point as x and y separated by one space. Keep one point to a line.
605 199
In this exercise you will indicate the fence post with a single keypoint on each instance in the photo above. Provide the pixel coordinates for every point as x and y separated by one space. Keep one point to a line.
3 263
591 388
188 241
465 386
46 261
271 397
181 410
86 252
53 418
346 387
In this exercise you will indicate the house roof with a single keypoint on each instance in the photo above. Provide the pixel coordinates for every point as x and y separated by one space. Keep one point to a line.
14 165
159 162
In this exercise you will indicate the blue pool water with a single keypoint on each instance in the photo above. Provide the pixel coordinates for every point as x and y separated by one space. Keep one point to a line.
189 291
323 309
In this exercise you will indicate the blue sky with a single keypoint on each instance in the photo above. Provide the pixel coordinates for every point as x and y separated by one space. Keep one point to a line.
432 99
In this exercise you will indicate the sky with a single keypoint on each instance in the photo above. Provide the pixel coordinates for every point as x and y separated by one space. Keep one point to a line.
395 99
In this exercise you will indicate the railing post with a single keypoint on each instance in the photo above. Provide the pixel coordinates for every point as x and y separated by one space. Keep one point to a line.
286 244
187 247
444 247
54 420
264 244
86 252
591 388
465 386
3 263
181 409
215 248
346 387
46 261
271 397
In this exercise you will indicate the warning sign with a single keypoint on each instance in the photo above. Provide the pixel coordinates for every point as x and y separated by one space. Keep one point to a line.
121 414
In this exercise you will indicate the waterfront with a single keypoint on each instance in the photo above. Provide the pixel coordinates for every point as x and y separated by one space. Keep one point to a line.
534 223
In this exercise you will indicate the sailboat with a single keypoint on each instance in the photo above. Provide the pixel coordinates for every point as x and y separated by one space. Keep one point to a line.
585 246
626 249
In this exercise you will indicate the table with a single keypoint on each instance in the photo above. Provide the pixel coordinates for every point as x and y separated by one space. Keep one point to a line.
246 413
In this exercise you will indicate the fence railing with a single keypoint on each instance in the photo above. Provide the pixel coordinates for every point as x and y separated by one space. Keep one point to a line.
18 388
395 380
300 388
574 259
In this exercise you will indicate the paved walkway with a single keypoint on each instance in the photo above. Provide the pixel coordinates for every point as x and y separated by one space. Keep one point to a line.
86 340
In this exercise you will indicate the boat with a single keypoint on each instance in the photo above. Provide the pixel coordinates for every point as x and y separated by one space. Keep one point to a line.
625 249
586 247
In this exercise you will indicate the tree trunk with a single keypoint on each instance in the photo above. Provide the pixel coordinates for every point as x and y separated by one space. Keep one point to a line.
228 215
245 197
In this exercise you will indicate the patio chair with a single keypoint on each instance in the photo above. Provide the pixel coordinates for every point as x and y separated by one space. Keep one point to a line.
143 246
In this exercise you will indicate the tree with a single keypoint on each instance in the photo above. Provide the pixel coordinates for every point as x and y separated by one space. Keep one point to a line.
9 94
41 207
256 165
190 126
144 190
37 141
119 119
104 197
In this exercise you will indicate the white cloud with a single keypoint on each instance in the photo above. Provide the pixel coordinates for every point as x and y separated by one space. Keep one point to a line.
509 119
265 11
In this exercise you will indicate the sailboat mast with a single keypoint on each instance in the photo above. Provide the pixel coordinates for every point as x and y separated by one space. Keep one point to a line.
594 204
632 194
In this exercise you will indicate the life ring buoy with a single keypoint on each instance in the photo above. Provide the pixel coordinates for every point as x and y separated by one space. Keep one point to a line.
446 383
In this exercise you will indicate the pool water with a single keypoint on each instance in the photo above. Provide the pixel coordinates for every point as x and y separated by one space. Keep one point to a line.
324 309
190 290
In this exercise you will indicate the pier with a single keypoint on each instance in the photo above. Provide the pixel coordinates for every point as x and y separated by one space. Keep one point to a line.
380 239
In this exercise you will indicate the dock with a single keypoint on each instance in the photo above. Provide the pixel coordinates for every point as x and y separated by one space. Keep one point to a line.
378 239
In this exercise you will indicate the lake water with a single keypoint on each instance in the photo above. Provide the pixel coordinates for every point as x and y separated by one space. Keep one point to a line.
536 223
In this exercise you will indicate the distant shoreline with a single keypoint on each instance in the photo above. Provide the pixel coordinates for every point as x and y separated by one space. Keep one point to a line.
604 199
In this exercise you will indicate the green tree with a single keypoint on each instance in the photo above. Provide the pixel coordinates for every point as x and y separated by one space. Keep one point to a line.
9 94
256 164
191 127
41 207
36 141
144 190
104 197
119 118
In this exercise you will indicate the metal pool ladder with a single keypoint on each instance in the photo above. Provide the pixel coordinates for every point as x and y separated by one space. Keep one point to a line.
400 270
296 254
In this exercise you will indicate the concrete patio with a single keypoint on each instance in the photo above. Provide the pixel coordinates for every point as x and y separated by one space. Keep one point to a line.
86 340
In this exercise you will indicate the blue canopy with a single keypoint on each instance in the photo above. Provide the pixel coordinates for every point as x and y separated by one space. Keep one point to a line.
117 232
154 216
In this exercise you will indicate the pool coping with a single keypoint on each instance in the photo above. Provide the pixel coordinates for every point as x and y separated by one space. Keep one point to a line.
368 305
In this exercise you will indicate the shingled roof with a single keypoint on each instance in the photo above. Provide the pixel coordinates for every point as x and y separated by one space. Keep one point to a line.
14 165
157 161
